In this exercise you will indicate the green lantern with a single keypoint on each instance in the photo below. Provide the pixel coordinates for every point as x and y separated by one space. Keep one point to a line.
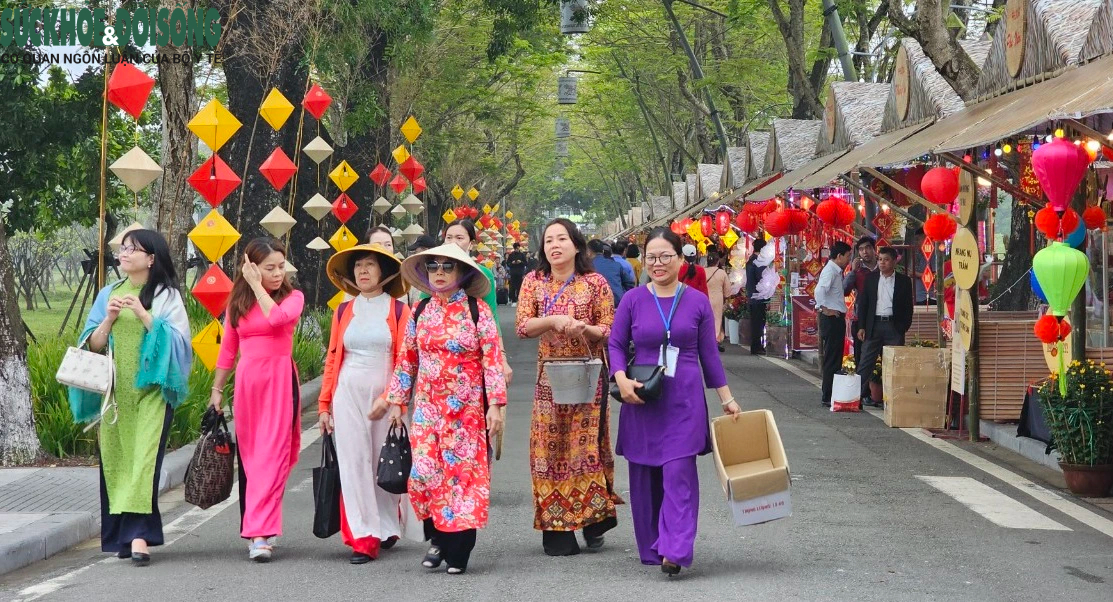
1061 272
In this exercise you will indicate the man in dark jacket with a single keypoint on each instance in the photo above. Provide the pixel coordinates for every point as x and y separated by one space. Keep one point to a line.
756 306
603 262
516 265
885 315
865 263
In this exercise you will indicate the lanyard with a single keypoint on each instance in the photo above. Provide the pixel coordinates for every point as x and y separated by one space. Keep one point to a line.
551 301
668 321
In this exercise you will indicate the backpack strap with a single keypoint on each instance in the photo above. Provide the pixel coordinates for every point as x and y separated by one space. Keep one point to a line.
398 307
343 307
473 305
420 308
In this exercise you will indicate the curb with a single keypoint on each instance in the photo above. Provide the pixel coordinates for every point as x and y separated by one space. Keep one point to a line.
60 531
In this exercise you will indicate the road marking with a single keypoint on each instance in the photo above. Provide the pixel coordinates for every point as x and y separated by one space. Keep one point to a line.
1043 494
191 520
993 505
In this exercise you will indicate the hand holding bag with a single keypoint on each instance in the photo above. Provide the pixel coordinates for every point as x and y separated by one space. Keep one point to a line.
395 461
326 491
208 479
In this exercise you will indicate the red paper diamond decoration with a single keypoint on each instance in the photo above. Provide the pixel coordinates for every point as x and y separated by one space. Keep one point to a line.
213 290
927 248
881 242
214 180
380 175
419 185
411 169
812 266
344 208
884 224
928 279
278 169
129 88
316 101
809 290
399 183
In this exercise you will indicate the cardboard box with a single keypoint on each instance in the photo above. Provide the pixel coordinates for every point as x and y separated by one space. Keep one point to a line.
916 381
752 467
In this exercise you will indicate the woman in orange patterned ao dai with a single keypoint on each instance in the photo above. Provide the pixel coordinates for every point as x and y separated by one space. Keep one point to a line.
569 306
450 365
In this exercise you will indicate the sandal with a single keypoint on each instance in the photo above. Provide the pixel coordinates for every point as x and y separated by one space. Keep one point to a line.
432 558
260 551
455 570
670 568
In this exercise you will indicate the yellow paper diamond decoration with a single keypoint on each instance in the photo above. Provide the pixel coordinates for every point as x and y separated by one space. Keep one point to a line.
495 209
473 193
276 109
702 246
400 154
381 205
343 239
343 176
517 224
214 125
457 192
317 244
509 215
213 236
449 216
336 300
411 130
486 208
729 238
278 223
318 207
695 232
206 345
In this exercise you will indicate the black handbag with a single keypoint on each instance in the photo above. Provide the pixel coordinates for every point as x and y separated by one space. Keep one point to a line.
326 491
208 479
651 376
395 461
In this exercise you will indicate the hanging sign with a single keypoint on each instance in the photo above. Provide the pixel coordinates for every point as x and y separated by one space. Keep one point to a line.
563 127
1016 34
574 17
902 83
964 318
965 259
562 147
566 90
967 197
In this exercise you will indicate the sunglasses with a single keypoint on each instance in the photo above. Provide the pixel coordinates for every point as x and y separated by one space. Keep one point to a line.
433 266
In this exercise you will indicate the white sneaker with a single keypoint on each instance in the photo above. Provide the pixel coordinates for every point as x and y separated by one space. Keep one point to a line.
259 551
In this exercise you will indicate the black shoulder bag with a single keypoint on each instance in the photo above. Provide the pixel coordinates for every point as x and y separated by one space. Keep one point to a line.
651 376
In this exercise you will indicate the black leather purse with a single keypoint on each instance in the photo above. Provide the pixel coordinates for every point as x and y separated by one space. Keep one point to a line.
651 376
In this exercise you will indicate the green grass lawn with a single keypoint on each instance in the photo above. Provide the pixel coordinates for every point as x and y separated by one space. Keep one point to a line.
44 323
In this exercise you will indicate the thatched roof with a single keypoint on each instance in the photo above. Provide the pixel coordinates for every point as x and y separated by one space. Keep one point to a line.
738 159
710 176
679 194
929 95
759 148
1057 33
854 110
692 182
660 205
791 144
977 50
1099 41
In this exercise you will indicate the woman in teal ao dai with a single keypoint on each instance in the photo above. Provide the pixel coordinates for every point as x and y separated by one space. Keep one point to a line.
142 319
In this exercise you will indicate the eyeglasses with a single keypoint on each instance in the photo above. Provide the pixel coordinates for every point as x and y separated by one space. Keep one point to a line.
433 266
664 259
129 249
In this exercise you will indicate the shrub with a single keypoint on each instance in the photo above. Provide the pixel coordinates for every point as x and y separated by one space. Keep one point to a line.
309 349
1081 422
58 433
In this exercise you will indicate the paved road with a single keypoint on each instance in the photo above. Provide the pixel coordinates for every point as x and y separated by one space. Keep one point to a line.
880 514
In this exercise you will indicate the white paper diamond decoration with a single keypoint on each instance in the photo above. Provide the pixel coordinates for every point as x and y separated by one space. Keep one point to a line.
115 243
381 205
397 235
412 232
318 150
136 169
278 223
398 211
318 207
290 269
318 244
412 204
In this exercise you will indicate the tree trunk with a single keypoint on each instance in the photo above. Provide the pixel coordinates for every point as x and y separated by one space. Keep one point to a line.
173 208
805 96
928 27
1018 261
19 442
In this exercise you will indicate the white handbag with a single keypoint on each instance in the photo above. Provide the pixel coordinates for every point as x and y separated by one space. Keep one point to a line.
92 372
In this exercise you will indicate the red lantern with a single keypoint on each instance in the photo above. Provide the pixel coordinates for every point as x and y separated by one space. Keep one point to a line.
419 185
776 224
399 183
214 180
835 213
1052 226
940 185
786 222
753 207
677 228
771 205
1047 329
411 168
940 227
1108 152
1060 167
686 223
705 225
1094 218
722 222
747 222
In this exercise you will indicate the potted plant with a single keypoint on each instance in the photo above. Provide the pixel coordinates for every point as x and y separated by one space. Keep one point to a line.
1079 414
776 334
877 392
735 312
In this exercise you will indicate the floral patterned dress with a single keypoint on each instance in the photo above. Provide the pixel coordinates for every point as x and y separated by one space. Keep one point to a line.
571 462
446 362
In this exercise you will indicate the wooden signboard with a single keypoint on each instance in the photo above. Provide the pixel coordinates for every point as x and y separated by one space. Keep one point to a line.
829 116
1016 34
902 83
965 261
967 197
964 319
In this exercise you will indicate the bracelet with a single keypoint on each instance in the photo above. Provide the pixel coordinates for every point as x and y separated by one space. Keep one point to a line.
218 390
727 402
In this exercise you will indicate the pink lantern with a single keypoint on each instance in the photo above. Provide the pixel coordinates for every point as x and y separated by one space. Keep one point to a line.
1060 167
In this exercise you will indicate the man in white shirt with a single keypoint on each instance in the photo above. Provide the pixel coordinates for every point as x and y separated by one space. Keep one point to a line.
830 304
884 315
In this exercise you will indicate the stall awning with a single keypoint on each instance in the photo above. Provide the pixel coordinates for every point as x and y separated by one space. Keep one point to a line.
790 179
850 160
1098 97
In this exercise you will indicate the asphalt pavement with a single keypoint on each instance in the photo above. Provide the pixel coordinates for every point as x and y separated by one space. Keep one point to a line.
879 514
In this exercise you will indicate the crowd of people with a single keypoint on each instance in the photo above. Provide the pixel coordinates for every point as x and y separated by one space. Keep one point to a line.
418 345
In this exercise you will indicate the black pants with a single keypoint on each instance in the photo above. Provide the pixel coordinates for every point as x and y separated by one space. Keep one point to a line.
884 333
832 333
854 326
118 530
757 326
456 546
563 543
515 286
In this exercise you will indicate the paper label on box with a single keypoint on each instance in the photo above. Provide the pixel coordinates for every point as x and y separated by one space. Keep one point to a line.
762 509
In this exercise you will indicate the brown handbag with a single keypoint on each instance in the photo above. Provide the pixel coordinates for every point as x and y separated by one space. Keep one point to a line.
208 479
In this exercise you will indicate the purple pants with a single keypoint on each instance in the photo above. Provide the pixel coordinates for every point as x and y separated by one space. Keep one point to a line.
665 503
